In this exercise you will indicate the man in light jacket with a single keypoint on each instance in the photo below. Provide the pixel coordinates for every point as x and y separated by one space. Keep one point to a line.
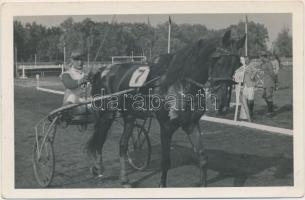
249 86
269 82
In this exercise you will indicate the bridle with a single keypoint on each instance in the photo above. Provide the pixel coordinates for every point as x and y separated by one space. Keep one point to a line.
219 53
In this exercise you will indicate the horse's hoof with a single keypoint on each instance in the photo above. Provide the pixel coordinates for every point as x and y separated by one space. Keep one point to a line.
161 186
124 180
199 184
126 185
95 171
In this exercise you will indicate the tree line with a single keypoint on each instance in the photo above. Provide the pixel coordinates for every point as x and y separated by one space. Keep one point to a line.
101 40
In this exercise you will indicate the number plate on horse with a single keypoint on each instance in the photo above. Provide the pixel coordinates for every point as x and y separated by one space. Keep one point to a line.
139 76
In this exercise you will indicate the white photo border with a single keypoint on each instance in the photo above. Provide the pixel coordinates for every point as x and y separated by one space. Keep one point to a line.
11 9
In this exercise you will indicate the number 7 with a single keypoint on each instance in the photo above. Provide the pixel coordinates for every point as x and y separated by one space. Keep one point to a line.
141 72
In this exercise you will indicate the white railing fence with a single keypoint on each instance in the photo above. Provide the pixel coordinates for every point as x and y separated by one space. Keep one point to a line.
41 69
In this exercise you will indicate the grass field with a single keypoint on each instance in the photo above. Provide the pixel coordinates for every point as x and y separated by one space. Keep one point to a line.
238 156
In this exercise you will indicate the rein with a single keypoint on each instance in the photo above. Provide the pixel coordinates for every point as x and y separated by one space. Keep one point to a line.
223 52
195 82
211 87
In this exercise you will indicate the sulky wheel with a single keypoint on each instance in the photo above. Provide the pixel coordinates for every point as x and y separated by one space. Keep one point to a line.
44 162
43 155
139 148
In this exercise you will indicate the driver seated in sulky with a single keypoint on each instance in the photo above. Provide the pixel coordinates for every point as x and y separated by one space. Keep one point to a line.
73 79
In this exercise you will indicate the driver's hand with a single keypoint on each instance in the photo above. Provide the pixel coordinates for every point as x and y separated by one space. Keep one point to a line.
83 80
86 77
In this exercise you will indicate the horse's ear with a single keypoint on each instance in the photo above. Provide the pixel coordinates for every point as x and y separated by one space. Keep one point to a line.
241 42
226 39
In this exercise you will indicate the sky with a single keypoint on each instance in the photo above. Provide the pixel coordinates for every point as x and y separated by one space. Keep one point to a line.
274 22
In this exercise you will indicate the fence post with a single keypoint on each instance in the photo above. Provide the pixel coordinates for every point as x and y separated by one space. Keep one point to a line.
237 93
37 80
23 73
62 69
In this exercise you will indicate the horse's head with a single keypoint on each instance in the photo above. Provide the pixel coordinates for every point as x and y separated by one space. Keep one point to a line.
225 60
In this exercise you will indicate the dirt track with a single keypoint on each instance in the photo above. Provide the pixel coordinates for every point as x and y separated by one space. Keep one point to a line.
235 154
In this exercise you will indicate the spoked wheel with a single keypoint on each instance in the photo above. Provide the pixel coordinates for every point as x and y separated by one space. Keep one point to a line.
139 148
44 163
43 156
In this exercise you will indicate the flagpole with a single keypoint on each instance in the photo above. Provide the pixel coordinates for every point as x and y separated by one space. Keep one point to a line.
240 79
65 54
169 35
246 32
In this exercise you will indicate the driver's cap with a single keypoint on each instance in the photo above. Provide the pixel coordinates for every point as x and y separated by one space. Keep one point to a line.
77 55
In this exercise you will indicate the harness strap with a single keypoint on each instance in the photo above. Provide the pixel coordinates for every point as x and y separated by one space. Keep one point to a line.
195 82
211 87
151 81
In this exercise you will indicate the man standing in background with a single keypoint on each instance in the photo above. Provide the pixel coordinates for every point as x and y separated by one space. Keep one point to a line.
249 86
276 67
269 81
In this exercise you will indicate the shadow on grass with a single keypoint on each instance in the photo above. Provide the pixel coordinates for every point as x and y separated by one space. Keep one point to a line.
227 165
237 166
277 111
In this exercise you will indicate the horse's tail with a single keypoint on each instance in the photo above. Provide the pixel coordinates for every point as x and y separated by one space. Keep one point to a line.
101 128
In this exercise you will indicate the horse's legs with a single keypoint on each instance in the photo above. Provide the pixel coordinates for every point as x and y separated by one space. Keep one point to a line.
128 127
199 150
203 165
96 142
167 131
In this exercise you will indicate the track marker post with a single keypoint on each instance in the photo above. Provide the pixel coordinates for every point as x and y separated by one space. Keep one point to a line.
37 80
23 73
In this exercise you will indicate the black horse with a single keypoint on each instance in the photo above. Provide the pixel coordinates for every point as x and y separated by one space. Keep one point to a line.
212 60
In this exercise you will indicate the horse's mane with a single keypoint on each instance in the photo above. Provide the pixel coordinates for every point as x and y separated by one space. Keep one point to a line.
192 61
160 64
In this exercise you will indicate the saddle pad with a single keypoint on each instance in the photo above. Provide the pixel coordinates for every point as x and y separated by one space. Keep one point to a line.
139 76
106 71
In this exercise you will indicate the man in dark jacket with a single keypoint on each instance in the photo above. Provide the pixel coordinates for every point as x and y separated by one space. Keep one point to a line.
268 81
